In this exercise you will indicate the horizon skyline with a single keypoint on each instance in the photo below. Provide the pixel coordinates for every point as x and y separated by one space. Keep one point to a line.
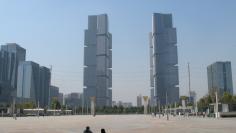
62 26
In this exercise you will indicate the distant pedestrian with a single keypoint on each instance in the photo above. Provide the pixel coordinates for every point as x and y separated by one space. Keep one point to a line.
87 130
103 131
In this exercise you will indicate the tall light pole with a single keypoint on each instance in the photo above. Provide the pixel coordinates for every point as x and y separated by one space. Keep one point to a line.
66 109
13 109
189 82
87 108
38 109
167 116
49 94
216 112
93 100
82 104
159 108
145 98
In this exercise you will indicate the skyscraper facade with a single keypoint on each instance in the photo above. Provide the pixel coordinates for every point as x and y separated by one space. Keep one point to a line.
164 59
16 54
152 98
220 78
109 97
152 92
45 81
11 55
28 81
97 61
5 89
33 83
54 93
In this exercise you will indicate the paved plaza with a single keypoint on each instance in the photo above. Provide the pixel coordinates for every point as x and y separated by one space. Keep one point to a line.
117 124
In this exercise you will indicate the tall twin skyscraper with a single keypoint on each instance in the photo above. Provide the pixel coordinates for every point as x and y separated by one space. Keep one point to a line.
98 60
164 60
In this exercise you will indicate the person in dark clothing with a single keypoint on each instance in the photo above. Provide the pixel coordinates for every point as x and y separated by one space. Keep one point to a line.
103 131
87 130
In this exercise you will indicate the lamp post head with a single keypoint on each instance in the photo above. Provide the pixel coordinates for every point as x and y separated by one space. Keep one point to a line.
145 98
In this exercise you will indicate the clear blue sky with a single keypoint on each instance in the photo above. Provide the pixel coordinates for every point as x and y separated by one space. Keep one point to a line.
52 31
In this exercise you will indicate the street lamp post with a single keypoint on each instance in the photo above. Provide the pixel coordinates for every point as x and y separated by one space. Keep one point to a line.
167 115
159 107
93 99
145 98
13 109
38 109
216 112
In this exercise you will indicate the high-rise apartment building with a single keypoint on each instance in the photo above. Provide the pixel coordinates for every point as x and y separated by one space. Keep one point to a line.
164 59
97 61
220 78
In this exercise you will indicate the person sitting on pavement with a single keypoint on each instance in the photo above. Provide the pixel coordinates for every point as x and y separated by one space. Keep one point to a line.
103 130
87 130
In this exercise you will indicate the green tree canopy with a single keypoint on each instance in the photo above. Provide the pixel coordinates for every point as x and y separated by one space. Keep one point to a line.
227 98
55 104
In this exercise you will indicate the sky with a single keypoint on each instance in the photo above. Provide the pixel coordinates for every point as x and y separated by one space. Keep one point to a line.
52 32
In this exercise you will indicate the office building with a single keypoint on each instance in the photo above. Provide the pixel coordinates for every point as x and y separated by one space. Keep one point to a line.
127 104
220 78
61 98
109 97
152 91
164 59
5 89
45 81
139 101
193 97
11 55
15 54
121 103
97 61
114 103
74 100
152 101
33 83
28 87
54 92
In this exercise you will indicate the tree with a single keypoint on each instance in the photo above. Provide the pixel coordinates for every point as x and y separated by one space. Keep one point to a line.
227 98
55 104
234 99
183 98
204 102
28 105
